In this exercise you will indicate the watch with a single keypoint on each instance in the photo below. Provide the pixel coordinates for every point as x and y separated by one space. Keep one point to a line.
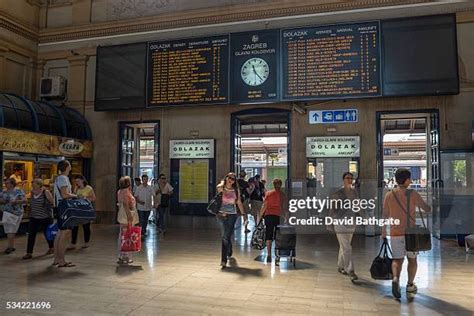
255 71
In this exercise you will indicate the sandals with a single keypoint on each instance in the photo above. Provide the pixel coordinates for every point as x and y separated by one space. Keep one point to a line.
57 263
27 256
66 265
50 251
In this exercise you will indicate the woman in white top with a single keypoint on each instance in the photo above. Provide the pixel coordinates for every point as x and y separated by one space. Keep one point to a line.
62 190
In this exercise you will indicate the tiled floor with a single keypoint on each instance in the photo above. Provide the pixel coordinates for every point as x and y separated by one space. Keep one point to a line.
180 275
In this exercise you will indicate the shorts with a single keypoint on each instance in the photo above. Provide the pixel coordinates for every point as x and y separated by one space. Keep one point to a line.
397 244
12 228
271 223
246 204
255 207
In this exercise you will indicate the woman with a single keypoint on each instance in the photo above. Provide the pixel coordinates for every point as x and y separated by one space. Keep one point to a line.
62 190
274 207
227 216
41 216
85 191
127 215
13 200
344 233
162 198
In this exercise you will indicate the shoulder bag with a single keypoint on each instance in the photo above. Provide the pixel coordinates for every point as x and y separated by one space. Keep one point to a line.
417 238
215 204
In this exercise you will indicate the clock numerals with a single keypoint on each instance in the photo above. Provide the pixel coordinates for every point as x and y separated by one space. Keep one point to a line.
255 71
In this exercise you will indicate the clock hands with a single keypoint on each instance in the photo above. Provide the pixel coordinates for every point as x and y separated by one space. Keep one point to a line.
255 72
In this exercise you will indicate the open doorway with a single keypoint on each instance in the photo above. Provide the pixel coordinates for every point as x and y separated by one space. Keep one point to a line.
139 149
261 144
410 139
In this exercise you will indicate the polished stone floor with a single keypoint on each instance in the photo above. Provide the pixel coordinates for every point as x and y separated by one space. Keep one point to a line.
180 275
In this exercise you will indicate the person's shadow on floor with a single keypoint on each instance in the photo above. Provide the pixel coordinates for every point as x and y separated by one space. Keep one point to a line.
126 270
243 272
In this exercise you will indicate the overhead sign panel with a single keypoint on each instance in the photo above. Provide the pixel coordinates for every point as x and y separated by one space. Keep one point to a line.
188 71
332 146
338 61
254 66
333 116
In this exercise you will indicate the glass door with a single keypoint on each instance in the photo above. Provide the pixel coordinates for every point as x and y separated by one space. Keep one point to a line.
127 151
324 175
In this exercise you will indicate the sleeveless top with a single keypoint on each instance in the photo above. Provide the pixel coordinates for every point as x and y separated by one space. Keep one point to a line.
40 206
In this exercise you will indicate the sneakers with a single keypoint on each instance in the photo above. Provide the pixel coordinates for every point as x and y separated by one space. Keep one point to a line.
396 289
269 259
412 288
353 276
223 264
9 251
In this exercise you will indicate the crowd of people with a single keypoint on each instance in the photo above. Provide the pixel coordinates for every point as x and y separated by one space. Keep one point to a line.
145 201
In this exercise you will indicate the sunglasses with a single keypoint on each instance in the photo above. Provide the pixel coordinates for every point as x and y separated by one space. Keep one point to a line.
349 178
231 178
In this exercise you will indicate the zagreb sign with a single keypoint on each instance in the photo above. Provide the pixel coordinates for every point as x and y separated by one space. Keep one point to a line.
332 146
192 149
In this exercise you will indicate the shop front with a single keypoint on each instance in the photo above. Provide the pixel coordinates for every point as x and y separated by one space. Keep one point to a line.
35 136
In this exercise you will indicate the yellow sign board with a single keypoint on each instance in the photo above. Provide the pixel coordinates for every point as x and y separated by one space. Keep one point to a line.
34 143
194 181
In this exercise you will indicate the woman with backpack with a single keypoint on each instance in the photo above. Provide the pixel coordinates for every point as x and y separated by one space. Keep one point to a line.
41 216
227 215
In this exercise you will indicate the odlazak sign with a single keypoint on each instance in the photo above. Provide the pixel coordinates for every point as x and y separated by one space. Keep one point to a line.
192 148
332 146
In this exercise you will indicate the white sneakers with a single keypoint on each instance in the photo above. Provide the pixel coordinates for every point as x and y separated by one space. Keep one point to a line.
412 288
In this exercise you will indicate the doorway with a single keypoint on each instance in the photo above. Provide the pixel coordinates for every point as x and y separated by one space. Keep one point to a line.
410 140
139 149
260 144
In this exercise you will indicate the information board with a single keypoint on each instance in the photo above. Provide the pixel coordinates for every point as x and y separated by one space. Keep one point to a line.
193 181
254 66
188 71
328 62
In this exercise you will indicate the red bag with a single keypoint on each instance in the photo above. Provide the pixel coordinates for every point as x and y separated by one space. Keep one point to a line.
131 239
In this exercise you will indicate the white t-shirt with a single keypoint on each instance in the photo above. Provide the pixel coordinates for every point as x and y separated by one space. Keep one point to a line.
61 181
144 194
166 190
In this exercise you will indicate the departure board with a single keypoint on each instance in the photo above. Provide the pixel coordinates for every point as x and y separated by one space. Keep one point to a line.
337 61
189 71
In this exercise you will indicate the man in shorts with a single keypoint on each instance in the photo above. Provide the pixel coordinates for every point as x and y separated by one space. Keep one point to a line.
393 208
244 188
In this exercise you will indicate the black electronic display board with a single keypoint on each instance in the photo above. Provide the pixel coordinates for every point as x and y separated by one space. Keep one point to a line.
188 71
328 62
120 77
420 56
254 61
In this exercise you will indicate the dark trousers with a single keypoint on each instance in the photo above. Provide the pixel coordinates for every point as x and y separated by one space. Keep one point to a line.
87 233
227 224
162 217
143 218
34 226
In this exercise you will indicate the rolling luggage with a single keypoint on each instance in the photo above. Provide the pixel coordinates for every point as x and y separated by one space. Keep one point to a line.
285 243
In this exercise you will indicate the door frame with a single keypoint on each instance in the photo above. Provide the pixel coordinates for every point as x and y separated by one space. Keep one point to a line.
258 111
121 124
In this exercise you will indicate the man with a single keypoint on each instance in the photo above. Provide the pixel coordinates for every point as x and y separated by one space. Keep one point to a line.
17 176
395 206
163 191
144 196
245 191
137 181
256 197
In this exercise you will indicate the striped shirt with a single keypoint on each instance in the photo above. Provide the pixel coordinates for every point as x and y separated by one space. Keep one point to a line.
40 206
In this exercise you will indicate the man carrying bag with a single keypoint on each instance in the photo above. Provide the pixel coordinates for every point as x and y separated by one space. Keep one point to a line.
401 204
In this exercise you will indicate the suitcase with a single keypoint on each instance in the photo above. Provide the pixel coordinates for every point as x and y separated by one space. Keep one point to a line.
285 243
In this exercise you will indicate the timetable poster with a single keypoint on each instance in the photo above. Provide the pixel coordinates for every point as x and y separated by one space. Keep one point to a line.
337 61
188 71
193 181
254 71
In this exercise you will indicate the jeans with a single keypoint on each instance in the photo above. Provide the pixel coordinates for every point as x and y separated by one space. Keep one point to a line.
143 218
227 224
87 233
34 226
162 217
344 237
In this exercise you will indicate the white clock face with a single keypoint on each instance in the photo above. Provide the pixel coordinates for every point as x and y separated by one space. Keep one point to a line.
255 71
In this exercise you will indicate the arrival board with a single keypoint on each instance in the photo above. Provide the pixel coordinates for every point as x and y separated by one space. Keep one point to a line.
337 61
188 71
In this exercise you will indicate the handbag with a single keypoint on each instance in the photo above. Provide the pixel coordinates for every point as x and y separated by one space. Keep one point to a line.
9 218
122 215
215 204
258 236
381 268
417 238
165 200
51 231
75 212
131 239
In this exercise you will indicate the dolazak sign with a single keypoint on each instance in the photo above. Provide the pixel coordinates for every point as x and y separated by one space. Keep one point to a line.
192 149
332 146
